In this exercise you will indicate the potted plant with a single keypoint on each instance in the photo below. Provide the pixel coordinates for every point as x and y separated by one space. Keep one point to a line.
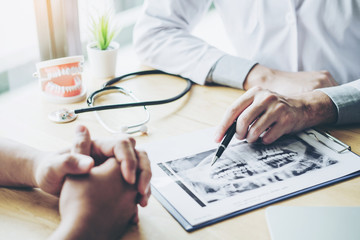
102 52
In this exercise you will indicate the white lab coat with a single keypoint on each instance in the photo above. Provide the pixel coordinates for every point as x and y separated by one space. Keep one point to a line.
288 35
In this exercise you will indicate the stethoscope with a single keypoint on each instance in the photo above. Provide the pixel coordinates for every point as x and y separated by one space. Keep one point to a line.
65 115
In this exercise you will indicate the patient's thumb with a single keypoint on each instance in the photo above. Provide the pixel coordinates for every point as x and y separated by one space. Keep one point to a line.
77 164
82 141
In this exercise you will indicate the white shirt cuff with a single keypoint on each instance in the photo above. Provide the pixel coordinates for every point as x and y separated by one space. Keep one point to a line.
347 101
230 71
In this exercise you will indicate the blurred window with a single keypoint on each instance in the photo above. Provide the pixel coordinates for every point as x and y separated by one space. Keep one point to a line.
19 43
19 50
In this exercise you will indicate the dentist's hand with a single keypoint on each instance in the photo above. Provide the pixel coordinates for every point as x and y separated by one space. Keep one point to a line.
260 111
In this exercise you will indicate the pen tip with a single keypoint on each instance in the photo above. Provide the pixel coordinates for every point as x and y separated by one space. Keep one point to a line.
214 160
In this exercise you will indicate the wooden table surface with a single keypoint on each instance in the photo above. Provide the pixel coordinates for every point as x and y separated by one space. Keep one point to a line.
32 214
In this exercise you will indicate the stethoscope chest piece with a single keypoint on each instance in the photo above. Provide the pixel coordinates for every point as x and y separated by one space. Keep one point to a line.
62 116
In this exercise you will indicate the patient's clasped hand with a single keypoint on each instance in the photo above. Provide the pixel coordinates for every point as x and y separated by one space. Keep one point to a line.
99 182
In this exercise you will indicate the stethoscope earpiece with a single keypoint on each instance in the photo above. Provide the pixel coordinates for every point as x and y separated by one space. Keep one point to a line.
124 129
143 129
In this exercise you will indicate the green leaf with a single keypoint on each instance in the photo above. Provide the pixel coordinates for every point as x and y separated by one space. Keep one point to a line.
102 31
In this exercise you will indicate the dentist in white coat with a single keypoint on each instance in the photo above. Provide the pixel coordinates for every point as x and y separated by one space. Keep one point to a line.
298 59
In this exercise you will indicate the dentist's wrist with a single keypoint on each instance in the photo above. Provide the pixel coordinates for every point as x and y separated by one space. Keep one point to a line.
259 76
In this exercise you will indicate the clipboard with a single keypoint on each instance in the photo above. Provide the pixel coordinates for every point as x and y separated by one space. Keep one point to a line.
328 140
322 138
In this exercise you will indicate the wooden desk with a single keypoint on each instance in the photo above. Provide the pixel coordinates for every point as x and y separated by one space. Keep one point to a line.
32 214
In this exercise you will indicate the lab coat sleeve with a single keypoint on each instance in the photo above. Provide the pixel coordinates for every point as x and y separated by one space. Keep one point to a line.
231 71
163 40
346 98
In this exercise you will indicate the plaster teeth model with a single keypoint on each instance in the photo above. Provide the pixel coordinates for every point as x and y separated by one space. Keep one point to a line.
61 78
63 81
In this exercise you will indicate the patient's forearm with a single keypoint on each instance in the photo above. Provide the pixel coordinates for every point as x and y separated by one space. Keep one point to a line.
17 163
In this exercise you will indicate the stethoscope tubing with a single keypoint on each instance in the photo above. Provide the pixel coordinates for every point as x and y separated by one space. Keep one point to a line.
135 104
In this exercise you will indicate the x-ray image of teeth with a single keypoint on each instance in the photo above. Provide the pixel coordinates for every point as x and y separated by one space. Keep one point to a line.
244 167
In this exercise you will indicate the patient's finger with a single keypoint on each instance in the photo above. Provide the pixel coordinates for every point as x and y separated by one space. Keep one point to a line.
125 154
82 141
144 177
144 172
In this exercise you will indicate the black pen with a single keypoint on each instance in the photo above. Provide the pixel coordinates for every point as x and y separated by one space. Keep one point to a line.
225 142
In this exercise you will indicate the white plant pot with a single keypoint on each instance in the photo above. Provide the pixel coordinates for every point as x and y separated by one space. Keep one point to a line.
102 62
